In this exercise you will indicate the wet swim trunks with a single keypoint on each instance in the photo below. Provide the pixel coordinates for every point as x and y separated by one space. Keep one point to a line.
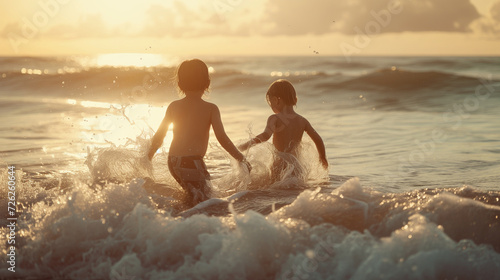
191 173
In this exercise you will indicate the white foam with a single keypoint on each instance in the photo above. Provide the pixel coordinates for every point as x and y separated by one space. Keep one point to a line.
117 232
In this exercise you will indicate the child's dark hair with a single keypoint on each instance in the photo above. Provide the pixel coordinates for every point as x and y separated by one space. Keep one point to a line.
284 90
192 75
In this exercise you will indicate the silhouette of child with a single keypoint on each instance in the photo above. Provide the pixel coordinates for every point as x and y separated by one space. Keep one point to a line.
192 117
286 125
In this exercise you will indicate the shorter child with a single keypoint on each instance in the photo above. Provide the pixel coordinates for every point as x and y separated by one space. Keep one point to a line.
192 118
286 125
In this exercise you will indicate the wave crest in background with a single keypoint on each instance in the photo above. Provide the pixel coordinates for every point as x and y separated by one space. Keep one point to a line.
400 80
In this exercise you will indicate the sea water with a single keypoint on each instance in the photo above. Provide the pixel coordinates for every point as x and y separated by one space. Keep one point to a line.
411 192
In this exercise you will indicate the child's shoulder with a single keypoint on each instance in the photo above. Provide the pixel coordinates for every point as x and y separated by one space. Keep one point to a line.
199 104
273 117
293 119
190 102
208 103
176 102
211 105
294 116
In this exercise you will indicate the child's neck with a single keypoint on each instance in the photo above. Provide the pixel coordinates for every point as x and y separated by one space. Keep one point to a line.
287 110
194 94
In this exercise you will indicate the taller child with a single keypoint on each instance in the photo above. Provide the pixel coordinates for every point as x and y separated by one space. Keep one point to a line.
192 118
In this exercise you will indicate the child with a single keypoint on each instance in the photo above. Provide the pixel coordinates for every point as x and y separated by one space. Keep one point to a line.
192 118
286 125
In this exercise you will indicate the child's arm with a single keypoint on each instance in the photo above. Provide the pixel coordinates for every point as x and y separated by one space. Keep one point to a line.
319 144
157 139
263 137
222 137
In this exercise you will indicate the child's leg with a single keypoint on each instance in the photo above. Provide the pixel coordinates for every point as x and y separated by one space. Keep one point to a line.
191 173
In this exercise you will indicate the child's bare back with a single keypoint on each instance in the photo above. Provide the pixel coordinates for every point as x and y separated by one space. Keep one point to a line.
191 131
286 125
288 130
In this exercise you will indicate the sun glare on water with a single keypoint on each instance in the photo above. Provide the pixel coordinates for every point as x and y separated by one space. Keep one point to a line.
120 128
132 60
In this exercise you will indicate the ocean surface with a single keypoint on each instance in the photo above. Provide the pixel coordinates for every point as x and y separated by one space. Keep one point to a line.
412 190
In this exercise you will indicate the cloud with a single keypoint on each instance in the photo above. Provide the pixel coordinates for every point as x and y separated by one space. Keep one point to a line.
87 26
177 21
173 19
181 21
317 16
495 11
277 17
489 26
284 17
161 21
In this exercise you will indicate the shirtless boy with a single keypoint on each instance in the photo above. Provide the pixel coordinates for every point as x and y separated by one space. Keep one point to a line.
192 118
286 125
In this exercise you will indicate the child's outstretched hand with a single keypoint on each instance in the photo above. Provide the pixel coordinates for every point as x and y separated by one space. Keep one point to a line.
246 165
324 162
244 146
151 154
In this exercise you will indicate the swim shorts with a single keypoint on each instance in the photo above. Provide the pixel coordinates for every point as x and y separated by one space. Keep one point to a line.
191 173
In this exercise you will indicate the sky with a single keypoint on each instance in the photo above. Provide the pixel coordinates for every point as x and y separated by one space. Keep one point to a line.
250 27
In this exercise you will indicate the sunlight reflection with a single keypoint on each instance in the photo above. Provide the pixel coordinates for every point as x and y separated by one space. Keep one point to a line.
94 104
130 59
139 120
